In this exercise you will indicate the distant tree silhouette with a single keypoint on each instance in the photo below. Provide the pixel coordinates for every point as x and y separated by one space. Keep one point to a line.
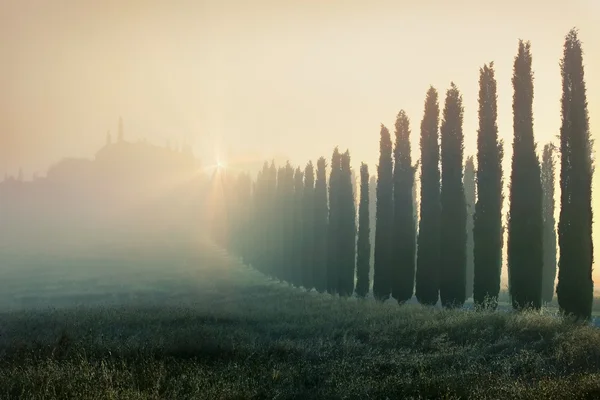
296 242
487 222
454 211
287 260
428 251
382 285
404 240
346 238
575 284
334 229
363 245
471 198
525 224
108 139
372 219
548 205
321 226
308 218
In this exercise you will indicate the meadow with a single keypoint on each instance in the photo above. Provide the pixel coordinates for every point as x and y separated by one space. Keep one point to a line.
181 319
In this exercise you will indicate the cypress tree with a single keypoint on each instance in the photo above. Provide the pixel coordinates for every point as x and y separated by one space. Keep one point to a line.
280 225
298 229
487 221
346 238
273 219
428 250
575 285
288 259
321 226
404 246
308 220
363 244
548 174
382 274
372 219
525 227
453 231
333 232
470 197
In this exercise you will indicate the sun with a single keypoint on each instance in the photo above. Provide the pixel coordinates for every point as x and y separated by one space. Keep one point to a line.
221 165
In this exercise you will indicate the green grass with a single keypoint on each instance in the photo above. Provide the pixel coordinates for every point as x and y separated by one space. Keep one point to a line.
186 321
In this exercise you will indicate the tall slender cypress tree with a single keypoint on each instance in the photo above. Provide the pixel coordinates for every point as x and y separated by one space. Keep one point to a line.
525 227
548 182
298 229
471 198
372 219
363 244
428 251
487 222
404 240
287 203
308 220
454 213
346 238
382 285
333 255
575 285
321 227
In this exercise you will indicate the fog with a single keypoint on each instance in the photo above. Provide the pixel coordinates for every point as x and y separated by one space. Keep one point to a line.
238 82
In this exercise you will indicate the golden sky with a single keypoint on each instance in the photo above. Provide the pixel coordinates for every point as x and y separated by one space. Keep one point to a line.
289 78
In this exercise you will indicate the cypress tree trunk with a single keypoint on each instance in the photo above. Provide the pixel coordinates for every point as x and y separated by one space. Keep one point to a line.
347 229
525 234
428 251
334 223
308 220
382 286
454 218
548 182
321 227
296 240
363 244
404 240
487 222
470 197
575 285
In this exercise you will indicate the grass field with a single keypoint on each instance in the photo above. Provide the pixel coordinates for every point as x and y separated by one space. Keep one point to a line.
170 321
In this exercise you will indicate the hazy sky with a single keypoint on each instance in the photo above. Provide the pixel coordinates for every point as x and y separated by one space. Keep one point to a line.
264 78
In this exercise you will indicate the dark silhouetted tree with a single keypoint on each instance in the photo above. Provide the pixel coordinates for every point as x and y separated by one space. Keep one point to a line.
471 198
372 219
548 205
487 222
404 240
525 226
297 259
428 250
384 229
346 237
363 244
333 260
575 285
321 226
454 212
308 218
